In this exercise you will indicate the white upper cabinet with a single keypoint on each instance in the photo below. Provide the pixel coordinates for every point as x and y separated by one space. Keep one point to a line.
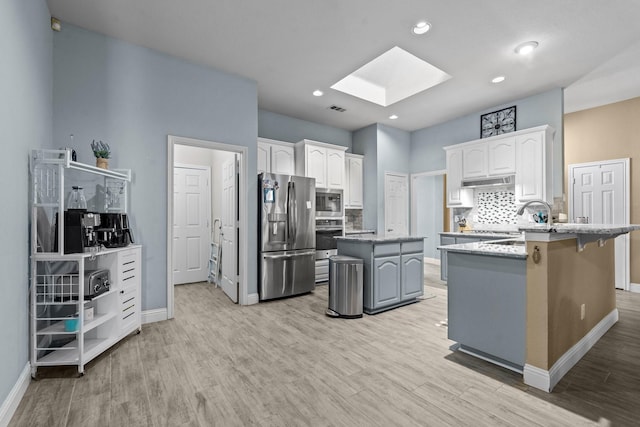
275 157
354 179
534 172
335 168
315 162
283 160
324 162
456 195
264 157
502 156
526 153
474 163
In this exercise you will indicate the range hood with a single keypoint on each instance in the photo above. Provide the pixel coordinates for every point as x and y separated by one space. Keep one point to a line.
488 181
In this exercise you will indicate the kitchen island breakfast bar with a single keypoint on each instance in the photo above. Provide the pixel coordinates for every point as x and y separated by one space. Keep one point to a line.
393 269
534 305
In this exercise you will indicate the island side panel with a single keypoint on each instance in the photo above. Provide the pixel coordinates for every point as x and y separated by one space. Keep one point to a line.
572 279
486 304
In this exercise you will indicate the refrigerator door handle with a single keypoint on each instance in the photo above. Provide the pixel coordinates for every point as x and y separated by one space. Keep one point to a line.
292 213
289 256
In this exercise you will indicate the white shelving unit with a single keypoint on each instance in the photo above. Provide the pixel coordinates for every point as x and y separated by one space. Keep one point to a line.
61 334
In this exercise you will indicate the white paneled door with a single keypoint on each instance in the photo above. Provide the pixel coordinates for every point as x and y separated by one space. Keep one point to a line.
600 191
191 232
396 204
229 235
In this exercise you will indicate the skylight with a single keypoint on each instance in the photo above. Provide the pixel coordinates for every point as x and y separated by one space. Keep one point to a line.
391 77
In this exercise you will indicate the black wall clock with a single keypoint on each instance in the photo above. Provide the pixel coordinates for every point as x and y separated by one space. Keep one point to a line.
498 122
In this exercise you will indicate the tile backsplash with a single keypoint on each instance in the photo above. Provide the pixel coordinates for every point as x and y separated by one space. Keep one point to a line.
493 207
353 219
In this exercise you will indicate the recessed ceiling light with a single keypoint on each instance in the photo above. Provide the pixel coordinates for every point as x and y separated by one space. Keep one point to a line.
393 117
498 79
421 27
317 92
526 48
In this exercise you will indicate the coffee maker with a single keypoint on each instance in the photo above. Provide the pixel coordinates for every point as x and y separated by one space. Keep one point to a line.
114 231
79 230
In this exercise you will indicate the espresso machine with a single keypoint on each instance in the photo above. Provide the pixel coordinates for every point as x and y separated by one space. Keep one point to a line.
79 230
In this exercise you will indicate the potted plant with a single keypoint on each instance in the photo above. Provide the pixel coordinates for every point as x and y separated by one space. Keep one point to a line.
102 151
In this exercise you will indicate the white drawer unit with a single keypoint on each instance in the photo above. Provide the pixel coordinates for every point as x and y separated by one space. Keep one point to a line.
129 277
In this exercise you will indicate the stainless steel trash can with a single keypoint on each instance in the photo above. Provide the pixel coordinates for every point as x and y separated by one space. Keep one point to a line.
345 287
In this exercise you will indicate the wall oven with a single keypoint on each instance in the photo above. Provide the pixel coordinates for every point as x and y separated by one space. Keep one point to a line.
329 203
326 231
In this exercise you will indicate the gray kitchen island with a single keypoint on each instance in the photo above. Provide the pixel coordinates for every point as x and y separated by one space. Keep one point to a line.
534 305
393 269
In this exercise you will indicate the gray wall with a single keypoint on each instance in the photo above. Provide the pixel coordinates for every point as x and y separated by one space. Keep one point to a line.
394 154
132 98
365 143
541 109
25 120
285 128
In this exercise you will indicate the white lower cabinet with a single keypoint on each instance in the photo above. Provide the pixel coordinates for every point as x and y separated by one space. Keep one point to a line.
73 320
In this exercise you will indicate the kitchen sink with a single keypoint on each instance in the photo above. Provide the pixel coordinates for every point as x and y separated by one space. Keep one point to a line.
512 242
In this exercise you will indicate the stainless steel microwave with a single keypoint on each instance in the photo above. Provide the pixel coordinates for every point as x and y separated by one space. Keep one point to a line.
329 203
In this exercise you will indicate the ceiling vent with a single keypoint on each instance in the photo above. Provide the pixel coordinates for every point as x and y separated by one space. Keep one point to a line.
338 109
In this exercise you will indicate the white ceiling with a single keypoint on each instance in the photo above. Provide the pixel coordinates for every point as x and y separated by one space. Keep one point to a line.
291 47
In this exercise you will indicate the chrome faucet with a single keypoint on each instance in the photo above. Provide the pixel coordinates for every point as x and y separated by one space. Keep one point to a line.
539 202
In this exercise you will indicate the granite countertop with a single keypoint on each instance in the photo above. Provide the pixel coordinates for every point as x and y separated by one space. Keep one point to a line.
368 238
583 233
570 228
489 248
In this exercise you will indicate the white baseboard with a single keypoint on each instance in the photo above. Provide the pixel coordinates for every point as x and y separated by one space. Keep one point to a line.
434 261
253 299
155 315
547 380
12 401
634 287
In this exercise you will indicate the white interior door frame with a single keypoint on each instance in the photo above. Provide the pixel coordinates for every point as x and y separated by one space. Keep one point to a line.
243 297
626 212
388 174
412 194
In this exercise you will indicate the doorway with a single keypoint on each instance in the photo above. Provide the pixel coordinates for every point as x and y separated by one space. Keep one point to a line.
427 211
217 156
600 191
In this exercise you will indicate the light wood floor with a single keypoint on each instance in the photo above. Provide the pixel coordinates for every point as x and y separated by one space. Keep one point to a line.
284 363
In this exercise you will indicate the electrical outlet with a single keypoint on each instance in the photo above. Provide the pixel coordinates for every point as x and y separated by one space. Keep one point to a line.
582 311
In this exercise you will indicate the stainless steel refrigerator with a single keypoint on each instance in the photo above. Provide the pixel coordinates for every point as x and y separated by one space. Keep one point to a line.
287 235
